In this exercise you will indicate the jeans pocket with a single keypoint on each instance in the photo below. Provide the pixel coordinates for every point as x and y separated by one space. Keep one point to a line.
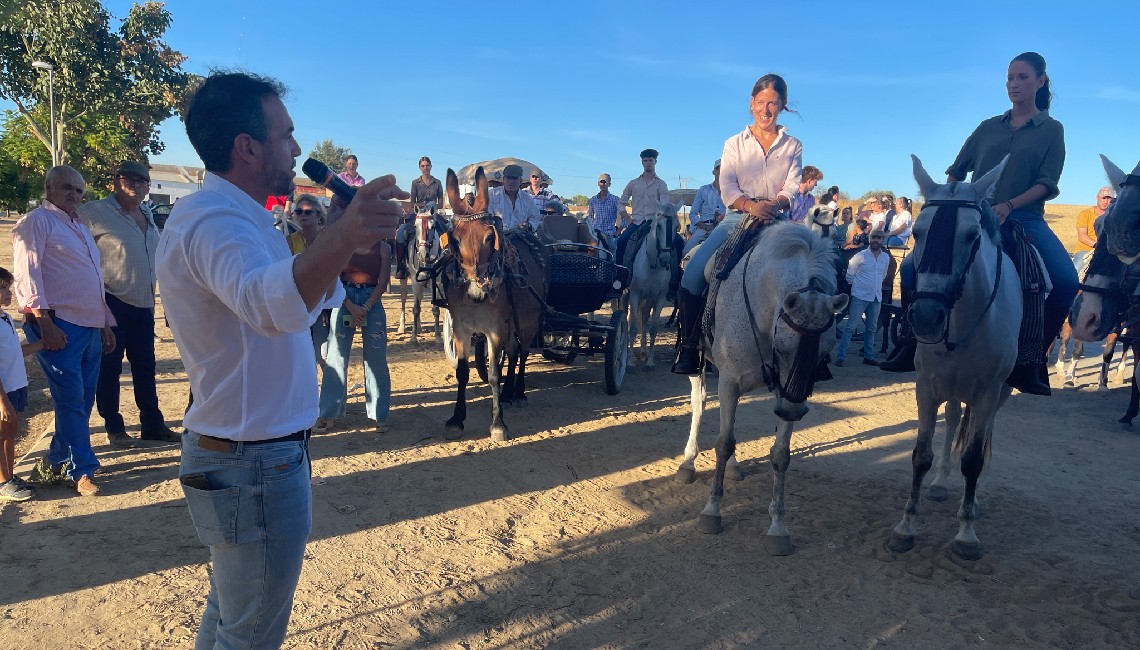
229 515
282 468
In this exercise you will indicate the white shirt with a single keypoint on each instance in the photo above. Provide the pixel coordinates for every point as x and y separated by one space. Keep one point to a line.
903 218
647 195
877 219
745 170
237 317
523 210
12 370
866 272
707 207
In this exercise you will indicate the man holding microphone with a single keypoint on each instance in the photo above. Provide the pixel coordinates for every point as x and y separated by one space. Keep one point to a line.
240 307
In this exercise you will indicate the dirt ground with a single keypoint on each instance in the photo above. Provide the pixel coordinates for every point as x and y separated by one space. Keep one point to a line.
574 534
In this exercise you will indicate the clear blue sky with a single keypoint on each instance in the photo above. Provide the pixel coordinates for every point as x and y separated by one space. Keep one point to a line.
581 87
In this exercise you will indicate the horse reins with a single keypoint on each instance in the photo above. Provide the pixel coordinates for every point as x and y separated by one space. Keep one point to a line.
950 299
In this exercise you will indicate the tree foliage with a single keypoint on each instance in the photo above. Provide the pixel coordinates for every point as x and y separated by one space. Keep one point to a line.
872 194
579 199
112 87
17 187
331 154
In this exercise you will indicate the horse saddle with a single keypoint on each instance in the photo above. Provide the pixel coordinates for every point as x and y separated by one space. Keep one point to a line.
743 237
636 240
1035 286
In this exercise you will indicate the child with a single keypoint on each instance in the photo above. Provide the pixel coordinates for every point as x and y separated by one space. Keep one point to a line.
13 395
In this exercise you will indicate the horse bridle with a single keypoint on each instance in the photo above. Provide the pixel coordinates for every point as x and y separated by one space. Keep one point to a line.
950 299
808 336
497 261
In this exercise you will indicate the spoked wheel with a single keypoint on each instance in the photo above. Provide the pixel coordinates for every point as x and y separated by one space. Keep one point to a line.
449 340
549 341
617 352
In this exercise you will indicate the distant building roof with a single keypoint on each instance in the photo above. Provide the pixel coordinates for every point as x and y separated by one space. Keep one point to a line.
177 173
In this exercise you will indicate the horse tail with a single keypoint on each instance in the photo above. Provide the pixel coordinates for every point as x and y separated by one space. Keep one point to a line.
962 438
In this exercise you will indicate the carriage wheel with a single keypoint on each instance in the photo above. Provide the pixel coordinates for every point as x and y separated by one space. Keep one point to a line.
560 356
617 352
449 340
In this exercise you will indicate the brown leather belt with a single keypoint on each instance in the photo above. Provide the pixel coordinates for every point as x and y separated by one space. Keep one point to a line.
225 445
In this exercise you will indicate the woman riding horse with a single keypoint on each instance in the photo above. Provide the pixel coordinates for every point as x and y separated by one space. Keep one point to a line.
760 173
1035 144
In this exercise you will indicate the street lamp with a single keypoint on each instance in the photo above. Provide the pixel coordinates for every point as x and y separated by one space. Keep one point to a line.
44 65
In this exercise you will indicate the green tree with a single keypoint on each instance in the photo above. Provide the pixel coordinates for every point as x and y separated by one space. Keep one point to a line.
579 199
111 87
16 185
867 196
331 154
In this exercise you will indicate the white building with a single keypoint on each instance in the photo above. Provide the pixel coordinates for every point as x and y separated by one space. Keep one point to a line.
168 183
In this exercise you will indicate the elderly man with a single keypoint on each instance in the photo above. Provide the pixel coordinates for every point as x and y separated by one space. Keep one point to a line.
59 287
515 208
1086 232
127 238
708 210
240 307
538 191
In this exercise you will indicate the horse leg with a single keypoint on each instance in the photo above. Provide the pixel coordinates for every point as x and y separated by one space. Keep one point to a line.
520 400
462 372
686 472
1063 339
1122 367
403 305
438 331
978 426
937 491
631 316
494 377
1078 353
902 537
709 521
652 316
779 541
1106 361
1134 397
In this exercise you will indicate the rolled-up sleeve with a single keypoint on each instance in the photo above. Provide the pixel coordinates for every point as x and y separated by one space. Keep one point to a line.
233 263
1053 163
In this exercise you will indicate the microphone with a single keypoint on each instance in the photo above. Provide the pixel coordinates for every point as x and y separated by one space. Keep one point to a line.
319 173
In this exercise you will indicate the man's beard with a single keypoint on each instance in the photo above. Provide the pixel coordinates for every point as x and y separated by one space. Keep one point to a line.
280 183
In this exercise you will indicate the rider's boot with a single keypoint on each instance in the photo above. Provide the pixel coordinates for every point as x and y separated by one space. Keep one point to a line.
689 359
1031 374
401 255
674 284
1031 378
901 358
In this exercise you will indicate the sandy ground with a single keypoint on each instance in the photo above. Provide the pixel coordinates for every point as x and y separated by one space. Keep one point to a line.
574 534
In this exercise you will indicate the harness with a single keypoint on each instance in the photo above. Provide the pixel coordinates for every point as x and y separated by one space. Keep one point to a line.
800 382
950 299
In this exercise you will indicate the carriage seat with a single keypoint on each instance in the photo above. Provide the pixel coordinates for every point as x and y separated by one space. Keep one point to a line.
565 231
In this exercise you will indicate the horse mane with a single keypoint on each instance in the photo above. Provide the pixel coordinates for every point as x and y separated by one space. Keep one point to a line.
786 241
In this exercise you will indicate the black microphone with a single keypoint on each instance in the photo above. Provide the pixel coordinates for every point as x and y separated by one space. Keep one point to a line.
319 173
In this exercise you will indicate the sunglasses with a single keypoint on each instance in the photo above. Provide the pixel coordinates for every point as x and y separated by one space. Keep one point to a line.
306 212
603 182
134 180
1106 198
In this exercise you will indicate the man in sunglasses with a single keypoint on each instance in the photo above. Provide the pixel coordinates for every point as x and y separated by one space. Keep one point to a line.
1086 233
127 238
865 273
538 190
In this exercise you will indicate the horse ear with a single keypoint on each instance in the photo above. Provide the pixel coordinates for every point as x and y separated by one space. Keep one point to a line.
1115 174
987 184
926 184
481 191
458 205
839 303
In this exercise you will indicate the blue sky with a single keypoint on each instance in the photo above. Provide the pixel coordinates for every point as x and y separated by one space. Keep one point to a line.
581 87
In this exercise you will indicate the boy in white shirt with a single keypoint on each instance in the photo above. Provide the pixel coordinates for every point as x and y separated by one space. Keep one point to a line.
13 395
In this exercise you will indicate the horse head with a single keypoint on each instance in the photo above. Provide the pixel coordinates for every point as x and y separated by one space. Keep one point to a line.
955 221
823 215
1121 225
665 227
1104 297
800 340
475 240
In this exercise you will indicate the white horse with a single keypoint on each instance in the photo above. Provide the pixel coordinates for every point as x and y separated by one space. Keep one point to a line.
966 314
649 282
775 320
821 219
422 249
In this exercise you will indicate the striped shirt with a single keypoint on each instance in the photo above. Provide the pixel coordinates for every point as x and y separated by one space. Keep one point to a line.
56 265
539 199
127 251
603 213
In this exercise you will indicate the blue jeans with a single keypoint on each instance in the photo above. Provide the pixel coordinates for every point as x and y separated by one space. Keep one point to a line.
895 240
1080 258
693 280
374 340
134 335
72 375
256 517
856 309
320 333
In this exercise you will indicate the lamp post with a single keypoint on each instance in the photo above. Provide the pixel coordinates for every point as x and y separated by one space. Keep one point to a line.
44 65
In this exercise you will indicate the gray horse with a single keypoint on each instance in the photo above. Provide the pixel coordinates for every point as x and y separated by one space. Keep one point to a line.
649 283
775 320
967 314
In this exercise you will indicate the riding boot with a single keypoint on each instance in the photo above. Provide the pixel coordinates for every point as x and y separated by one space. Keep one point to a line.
401 255
674 284
1030 374
901 358
690 360
1031 378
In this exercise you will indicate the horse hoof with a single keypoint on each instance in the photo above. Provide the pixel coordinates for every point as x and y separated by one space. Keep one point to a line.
937 493
900 543
499 434
686 475
967 550
1126 421
779 545
733 473
519 402
709 524
454 431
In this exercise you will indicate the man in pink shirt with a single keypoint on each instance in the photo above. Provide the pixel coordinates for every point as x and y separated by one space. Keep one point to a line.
59 288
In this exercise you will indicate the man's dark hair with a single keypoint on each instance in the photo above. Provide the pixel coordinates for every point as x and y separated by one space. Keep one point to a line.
226 105
6 276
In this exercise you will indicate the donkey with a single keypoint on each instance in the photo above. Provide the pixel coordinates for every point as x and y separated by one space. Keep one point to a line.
423 249
649 283
775 320
821 219
495 286
966 314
